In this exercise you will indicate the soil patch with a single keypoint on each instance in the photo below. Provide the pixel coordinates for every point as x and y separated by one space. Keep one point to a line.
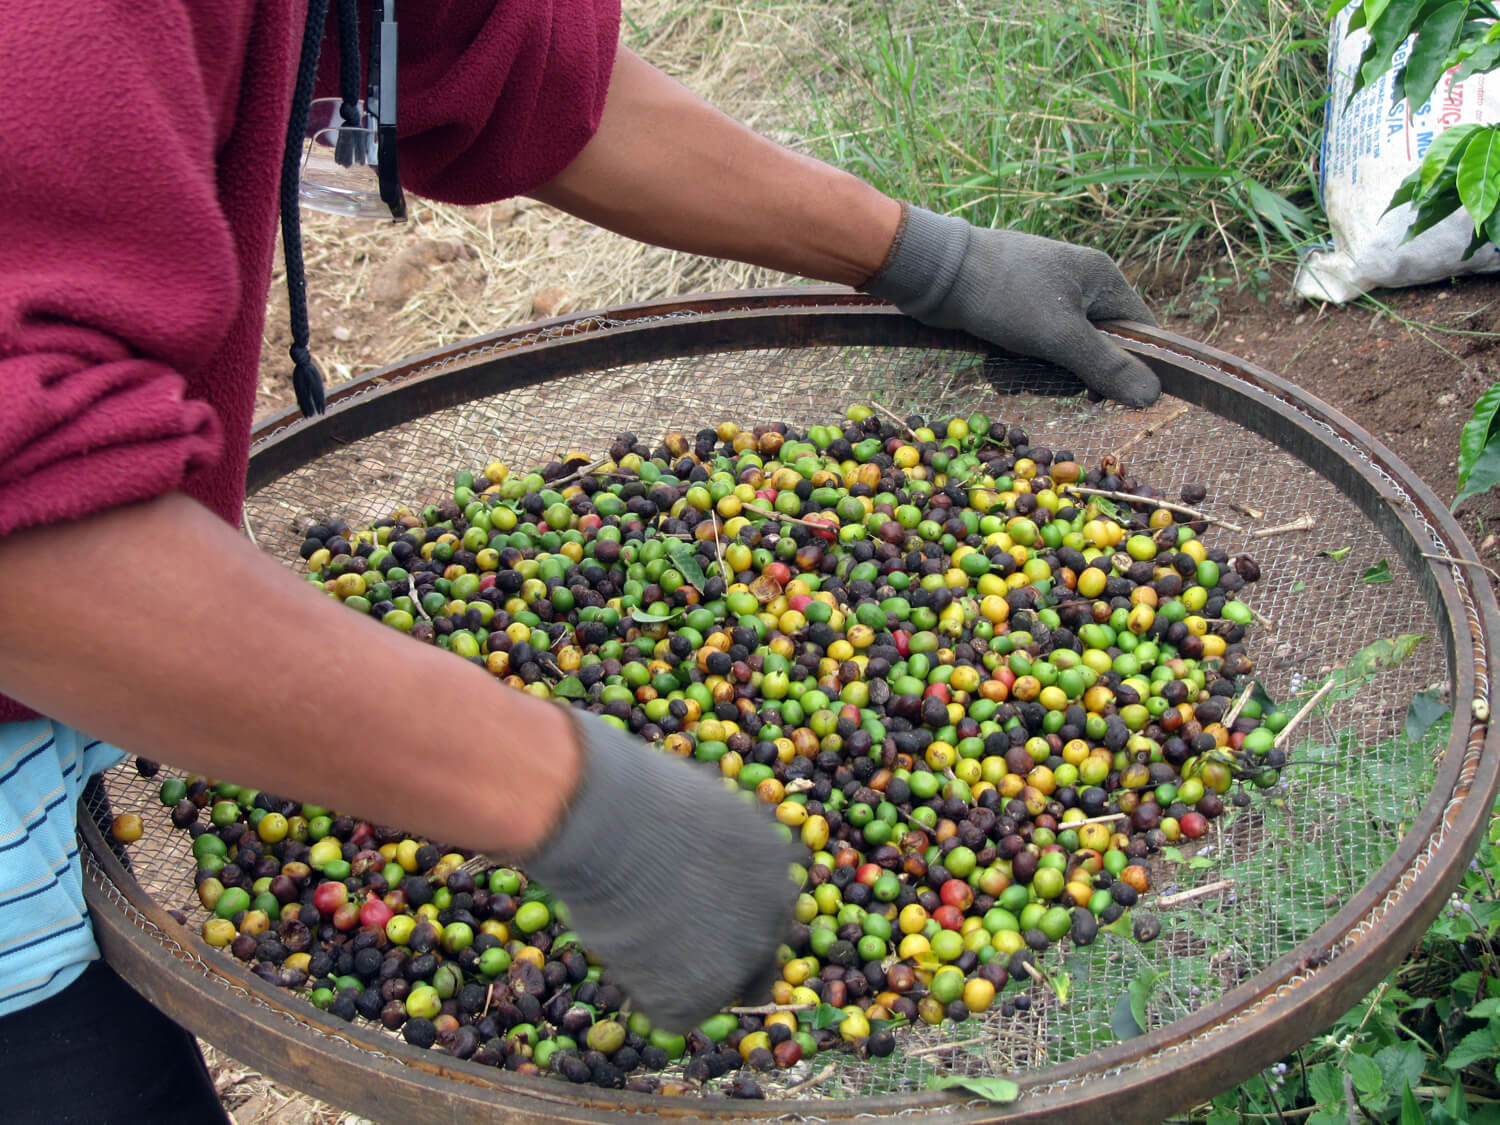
1406 365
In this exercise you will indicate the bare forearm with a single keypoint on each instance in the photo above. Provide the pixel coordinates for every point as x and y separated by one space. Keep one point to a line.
667 168
211 657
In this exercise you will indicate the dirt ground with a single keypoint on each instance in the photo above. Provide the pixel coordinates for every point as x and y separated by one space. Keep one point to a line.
1406 365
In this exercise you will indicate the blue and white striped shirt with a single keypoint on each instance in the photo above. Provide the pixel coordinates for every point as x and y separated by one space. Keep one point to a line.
45 937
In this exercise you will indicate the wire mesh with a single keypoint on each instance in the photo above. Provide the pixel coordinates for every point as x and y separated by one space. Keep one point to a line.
1232 903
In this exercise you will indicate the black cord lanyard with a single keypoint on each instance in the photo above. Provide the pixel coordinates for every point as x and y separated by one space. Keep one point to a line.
380 114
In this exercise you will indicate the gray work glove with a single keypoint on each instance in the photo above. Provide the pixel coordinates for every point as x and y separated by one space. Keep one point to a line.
1033 296
678 886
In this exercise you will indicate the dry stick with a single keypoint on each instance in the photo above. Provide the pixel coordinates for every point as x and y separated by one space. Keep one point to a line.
1234 712
417 601
938 1048
579 474
1444 1091
1301 523
1276 1102
896 418
1260 618
249 531
1036 974
1425 554
1131 498
906 816
1153 429
1349 1100
1370 1011
1247 510
768 1009
1284 1114
822 1076
770 514
1045 980
1302 714
719 548
1166 902
1105 819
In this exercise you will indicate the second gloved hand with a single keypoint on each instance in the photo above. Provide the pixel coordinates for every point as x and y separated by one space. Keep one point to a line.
678 886
1033 296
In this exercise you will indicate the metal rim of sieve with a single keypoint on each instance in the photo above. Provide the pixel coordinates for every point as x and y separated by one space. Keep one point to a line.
1169 1068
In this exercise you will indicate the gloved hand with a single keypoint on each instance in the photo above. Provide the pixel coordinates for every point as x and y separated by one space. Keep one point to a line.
676 884
1033 296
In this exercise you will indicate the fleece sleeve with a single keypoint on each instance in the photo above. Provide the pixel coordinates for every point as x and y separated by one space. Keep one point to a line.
495 98
117 266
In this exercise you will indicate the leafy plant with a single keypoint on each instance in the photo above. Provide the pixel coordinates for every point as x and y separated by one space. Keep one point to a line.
1444 33
1129 1018
994 1089
1202 301
1479 447
1424 1046
1461 170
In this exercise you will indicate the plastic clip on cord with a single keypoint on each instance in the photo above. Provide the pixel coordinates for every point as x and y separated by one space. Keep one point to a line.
349 164
380 105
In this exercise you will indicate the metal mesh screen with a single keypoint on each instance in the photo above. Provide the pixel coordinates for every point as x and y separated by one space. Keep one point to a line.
1268 874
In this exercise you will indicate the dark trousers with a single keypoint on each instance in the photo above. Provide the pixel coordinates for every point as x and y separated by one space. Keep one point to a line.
99 1054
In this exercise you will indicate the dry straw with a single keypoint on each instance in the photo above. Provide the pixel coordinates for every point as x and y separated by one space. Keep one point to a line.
383 292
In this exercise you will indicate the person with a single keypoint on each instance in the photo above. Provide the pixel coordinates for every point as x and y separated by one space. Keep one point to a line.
139 158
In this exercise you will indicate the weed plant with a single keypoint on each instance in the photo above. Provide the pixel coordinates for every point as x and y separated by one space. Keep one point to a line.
1146 129
1423 1047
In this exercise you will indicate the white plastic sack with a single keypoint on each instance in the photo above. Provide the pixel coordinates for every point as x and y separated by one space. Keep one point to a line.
1369 146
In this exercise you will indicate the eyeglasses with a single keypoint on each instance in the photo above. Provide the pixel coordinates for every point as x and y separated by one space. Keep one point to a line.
351 169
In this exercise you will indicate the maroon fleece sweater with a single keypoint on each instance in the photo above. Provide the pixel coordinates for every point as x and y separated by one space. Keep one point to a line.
140 151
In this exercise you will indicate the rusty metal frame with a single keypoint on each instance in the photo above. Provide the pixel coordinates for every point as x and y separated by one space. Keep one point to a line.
1142 1079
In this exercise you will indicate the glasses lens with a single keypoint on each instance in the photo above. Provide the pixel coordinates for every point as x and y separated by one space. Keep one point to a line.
339 167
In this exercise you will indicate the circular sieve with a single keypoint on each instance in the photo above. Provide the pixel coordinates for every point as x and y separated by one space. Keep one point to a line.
1274 923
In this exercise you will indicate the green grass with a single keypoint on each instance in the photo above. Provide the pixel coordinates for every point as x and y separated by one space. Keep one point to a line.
1147 128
